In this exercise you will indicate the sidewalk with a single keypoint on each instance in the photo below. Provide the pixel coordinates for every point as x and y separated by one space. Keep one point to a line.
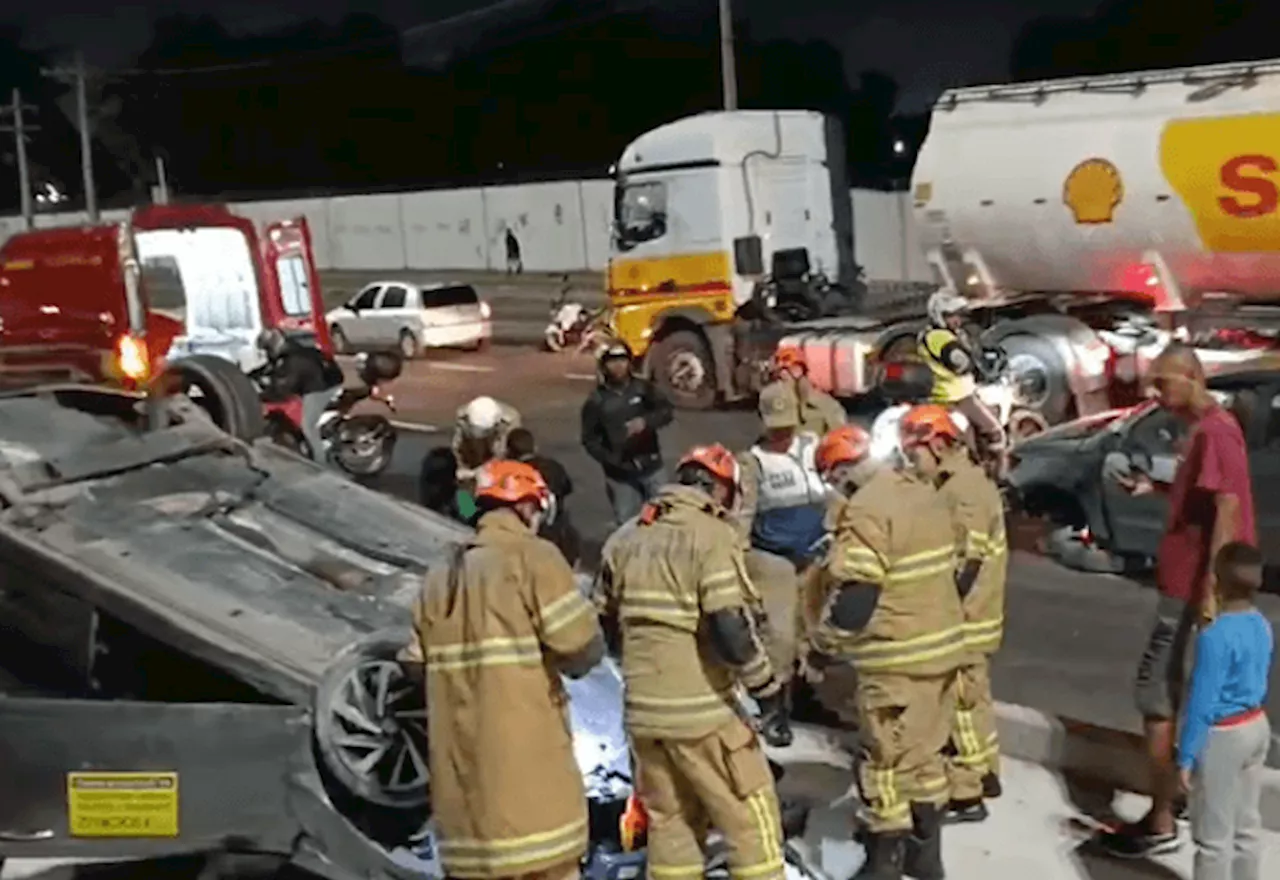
1037 830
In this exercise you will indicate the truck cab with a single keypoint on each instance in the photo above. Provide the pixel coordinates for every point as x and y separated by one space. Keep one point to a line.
706 209
173 289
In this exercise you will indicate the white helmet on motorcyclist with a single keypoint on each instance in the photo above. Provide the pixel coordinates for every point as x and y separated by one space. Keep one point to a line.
944 303
271 340
481 416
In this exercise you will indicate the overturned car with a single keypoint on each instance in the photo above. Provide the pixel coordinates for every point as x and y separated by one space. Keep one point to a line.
208 629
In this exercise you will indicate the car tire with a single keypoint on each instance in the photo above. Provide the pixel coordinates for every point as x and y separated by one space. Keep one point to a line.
346 683
682 367
409 345
1036 362
339 340
225 393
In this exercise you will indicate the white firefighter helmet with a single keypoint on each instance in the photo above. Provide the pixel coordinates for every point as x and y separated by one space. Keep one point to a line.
481 416
944 303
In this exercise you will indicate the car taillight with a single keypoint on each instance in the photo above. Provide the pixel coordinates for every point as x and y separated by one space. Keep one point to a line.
133 358
485 311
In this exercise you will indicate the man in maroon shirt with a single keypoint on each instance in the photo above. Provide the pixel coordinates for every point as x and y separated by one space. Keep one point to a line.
1210 505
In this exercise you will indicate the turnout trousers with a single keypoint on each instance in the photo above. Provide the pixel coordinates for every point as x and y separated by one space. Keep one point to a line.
720 781
974 750
905 725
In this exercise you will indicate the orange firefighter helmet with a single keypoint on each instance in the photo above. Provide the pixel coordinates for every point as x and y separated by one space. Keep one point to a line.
510 482
848 444
924 423
716 460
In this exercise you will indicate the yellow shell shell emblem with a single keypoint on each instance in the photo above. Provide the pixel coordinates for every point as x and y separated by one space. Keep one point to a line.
1093 190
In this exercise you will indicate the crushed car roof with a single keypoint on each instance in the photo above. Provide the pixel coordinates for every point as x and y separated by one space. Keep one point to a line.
247 557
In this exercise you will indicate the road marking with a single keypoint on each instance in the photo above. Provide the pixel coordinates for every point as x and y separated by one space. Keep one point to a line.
460 368
415 427
584 377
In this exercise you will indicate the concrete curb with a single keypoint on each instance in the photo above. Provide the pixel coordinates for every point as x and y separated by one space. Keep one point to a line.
1111 757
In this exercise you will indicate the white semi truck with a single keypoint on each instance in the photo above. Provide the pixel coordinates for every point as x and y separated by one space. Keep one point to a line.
1085 218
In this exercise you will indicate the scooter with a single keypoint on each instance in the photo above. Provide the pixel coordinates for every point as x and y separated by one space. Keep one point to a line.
361 445
574 325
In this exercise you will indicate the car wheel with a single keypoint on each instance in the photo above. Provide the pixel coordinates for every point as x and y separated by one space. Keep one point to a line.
1040 377
683 369
220 389
409 345
371 724
339 340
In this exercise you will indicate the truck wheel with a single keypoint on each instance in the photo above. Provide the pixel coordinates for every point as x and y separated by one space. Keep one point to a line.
222 390
681 366
371 724
901 349
1040 377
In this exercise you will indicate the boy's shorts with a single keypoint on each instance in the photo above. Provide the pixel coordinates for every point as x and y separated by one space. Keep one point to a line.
1166 662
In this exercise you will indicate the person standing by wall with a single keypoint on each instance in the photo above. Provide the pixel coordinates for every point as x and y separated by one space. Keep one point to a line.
620 423
1210 506
515 265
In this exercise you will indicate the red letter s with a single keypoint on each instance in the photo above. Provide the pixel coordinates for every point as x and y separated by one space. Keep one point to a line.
1266 195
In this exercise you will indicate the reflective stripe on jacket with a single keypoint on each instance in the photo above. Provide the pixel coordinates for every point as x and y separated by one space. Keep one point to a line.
896 532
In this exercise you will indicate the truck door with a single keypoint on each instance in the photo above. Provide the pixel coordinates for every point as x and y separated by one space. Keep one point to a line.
297 301
108 779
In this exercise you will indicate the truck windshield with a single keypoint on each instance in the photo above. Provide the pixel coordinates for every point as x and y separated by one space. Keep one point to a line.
641 210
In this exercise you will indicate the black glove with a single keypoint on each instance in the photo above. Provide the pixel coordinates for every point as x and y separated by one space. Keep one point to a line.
775 729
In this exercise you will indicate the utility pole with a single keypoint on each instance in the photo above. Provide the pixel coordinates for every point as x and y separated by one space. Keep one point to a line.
20 128
78 75
728 66
162 182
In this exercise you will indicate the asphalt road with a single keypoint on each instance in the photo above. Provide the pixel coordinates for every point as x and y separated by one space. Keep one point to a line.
1072 640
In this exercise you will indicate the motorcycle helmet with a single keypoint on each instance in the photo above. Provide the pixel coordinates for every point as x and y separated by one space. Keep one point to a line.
481 416
615 350
271 340
944 303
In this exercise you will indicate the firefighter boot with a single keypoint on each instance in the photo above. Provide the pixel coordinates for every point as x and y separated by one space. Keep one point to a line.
924 847
991 787
885 856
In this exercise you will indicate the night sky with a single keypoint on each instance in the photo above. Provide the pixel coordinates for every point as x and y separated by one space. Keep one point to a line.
925 44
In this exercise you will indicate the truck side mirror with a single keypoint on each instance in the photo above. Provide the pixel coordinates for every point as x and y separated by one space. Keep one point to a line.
748 255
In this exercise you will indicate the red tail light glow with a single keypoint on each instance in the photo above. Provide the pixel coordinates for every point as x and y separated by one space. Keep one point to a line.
133 358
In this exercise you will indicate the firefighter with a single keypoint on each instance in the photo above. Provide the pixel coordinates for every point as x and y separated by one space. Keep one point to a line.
819 412
781 516
679 593
893 612
496 627
950 358
978 515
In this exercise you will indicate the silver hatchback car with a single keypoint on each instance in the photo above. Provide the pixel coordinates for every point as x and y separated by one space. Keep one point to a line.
412 318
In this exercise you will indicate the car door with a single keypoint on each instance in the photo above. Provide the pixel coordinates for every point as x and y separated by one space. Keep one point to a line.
393 314
1264 468
291 266
1137 521
357 318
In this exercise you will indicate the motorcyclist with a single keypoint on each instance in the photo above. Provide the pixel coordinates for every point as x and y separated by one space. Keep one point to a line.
677 592
819 412
495 629
620 423
304 371
952 359
480 434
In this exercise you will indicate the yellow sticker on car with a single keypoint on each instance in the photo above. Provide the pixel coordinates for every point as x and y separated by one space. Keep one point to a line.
122 804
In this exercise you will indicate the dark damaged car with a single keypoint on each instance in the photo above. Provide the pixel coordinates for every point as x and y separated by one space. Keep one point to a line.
206 631
1066 474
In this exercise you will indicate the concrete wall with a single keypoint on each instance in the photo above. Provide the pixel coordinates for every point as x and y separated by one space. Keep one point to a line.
560 226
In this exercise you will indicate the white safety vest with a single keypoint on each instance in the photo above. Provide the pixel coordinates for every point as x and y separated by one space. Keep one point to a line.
789 479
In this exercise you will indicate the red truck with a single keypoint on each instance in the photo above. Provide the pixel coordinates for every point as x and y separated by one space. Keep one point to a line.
173 292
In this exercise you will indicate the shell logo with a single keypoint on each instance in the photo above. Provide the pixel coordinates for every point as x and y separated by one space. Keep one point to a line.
1093 190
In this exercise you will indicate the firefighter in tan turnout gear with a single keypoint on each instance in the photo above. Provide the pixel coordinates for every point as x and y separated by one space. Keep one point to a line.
894 614
978 517
495 628
678 591
818 412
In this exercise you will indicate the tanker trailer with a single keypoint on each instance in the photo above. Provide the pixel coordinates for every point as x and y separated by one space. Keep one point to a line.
1087 218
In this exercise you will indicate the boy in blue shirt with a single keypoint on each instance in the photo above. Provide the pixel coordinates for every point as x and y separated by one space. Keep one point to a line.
1225 732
